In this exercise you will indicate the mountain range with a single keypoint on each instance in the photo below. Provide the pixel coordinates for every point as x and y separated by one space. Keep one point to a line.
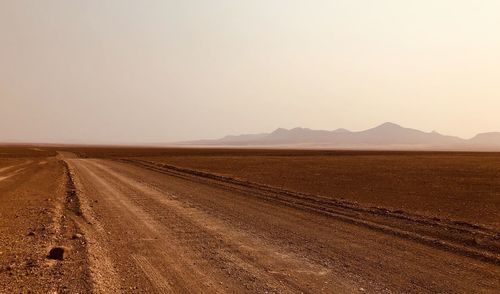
385 136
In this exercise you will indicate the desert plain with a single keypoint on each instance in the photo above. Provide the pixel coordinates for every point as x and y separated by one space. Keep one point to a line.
198 220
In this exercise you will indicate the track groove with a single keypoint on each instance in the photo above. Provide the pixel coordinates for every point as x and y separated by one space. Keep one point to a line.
459 237
166 231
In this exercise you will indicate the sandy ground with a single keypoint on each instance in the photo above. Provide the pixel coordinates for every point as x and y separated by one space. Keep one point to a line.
132 226
432 184
461 186
34 218
155 232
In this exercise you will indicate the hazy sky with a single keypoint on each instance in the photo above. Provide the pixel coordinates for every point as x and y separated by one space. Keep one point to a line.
158 71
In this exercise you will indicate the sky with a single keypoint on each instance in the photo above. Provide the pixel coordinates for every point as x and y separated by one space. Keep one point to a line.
121 71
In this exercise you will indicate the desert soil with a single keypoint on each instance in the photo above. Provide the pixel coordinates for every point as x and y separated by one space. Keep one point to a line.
432 184
148 227
34 218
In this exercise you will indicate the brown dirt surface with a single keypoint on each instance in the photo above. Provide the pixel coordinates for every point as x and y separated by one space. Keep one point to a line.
455 186
169 221
9 152
33 219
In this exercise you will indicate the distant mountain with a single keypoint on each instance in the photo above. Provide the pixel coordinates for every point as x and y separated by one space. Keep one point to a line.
384 136
487 139
245 138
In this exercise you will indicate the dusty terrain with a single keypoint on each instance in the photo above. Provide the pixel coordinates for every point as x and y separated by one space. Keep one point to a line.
35 217
434 184
439 185
219 221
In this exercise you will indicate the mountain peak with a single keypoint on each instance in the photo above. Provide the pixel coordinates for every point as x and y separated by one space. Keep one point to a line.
389 125
279 130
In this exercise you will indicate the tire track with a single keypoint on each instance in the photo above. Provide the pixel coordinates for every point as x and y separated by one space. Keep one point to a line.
176 273
20 168
247 255
458 237
161 284
104 277
165 234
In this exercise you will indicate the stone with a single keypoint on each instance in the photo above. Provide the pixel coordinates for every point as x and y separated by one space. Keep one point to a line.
57 253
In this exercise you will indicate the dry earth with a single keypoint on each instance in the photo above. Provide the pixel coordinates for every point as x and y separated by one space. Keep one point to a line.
150 227
431 184
35 217
434 184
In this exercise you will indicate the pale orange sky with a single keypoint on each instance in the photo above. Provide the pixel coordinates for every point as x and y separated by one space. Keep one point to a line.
158 71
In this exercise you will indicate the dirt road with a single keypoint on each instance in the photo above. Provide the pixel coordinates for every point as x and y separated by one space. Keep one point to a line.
149 231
